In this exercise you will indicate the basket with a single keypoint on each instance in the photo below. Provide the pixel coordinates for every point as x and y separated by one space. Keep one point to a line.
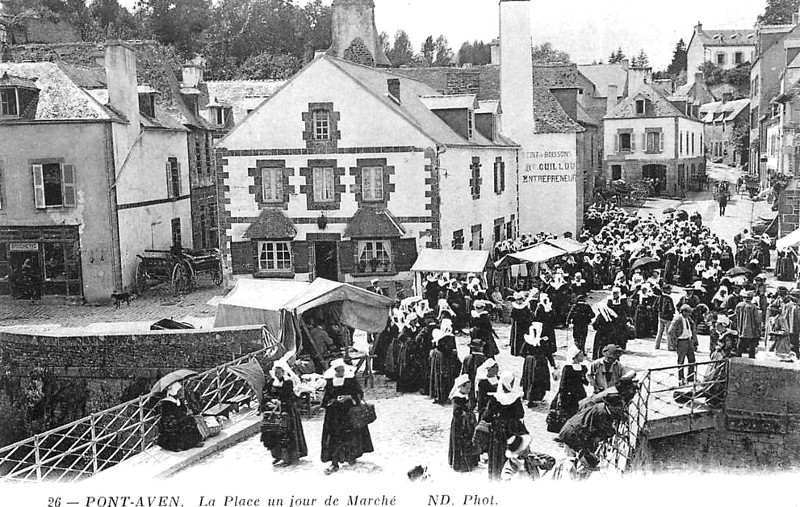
362 415
274 422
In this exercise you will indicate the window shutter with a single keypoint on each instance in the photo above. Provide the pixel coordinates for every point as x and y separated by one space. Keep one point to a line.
347 256
633 142
496 177
405 253
502 176
1 185
616 143
38 186
661 142
169 179
301 256
180 184
68 180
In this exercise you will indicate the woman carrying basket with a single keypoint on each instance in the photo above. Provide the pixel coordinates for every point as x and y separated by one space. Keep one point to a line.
341 440
282 430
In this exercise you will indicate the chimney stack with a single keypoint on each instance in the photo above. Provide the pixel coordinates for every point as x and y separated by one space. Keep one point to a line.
354 36
727 97
192 74
626 64
699 78
698 27
120 65
494 47
611 99
394 88
516 70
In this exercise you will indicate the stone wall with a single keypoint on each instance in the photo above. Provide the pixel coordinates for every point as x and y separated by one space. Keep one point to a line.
758 429
789 209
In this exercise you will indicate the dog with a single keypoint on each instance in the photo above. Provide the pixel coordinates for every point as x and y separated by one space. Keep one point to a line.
119 297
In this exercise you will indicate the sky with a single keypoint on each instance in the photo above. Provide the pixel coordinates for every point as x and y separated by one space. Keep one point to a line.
587 30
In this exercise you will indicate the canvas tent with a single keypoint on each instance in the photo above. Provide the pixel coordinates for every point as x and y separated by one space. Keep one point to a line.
431 260
791 239
278 305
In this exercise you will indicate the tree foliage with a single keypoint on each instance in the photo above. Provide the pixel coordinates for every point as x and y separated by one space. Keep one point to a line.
640 60
779 12
475 53
401 53
678 62
546 53
616 56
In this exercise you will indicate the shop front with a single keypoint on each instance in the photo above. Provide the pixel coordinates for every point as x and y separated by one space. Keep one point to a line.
40 261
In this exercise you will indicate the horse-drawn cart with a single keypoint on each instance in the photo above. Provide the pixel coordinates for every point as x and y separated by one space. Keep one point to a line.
180 267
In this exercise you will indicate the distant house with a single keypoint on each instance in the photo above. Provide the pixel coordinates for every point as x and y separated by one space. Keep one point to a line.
647 136
601 81
31 29
722 120
724 48
229 102
87 178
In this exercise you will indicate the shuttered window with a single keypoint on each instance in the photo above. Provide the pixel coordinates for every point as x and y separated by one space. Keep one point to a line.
173 169
53 185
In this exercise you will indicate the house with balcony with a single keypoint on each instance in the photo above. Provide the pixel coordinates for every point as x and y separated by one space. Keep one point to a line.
87 178
648 136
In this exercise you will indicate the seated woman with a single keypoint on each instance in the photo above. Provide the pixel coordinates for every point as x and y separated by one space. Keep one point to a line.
177 429
288 446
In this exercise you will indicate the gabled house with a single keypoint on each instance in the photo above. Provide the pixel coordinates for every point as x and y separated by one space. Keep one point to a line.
726 49
723 121
229 102
87 180
647 136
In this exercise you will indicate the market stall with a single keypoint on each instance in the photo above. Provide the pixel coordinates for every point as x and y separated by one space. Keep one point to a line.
450 261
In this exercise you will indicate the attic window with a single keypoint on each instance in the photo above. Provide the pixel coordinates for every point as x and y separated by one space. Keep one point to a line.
640 106
221 115
147 104
320 124
9 102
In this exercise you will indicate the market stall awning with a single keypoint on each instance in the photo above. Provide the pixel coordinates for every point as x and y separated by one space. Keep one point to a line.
539 253
791 239
569 245
451 261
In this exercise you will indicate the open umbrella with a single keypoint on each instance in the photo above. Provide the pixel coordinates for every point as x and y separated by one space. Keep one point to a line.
668 210
644 261
738 270
171 378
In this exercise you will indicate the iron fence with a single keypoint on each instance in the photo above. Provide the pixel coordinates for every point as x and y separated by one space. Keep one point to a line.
89 445
662 394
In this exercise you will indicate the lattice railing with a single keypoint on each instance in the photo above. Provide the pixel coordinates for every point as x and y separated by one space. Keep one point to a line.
661 394
84 447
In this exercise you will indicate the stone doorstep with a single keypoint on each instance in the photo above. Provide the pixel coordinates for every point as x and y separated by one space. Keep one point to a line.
157 464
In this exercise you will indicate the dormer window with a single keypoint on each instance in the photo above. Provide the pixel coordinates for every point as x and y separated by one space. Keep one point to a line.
147 104
221 116
640 106
9 102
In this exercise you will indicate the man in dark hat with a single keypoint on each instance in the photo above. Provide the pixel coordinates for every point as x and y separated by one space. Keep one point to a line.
682 338
580 316
748 323
592 425
666 311
607 371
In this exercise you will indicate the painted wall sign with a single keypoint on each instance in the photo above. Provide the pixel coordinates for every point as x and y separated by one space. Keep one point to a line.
23 247
556 166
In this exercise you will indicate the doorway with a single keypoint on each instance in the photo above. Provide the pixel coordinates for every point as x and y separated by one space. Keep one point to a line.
26 275
326 263
657 173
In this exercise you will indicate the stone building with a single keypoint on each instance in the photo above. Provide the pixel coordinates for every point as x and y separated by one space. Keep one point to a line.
723 121
87 178
647 136
726 49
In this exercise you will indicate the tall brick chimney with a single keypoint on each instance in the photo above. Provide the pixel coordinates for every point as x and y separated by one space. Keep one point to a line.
611 100
354 35
120 64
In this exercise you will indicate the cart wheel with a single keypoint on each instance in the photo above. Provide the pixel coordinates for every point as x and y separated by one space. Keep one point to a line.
141 278
180 278
216 274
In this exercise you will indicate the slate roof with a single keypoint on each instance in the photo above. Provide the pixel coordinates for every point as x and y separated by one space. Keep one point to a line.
411 106
60 98
556 75
549 116
735 37
156 66
604 75
371 223
661 106
162 120
585 118
271 224
719 111
242 95
449 101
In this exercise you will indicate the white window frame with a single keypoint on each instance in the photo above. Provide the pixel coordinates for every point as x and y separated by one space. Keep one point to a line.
5 104
321 124
68 187
272 184
372 184
324 183
380 249
275 256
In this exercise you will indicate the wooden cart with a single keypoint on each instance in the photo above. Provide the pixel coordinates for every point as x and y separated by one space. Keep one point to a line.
179 267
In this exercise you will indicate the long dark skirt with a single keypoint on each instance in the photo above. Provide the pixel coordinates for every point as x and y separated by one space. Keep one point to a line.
177 429
445 367
409 369
501 430
392 358
601 339
290 446
341 442
643 322
535 377
461 454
